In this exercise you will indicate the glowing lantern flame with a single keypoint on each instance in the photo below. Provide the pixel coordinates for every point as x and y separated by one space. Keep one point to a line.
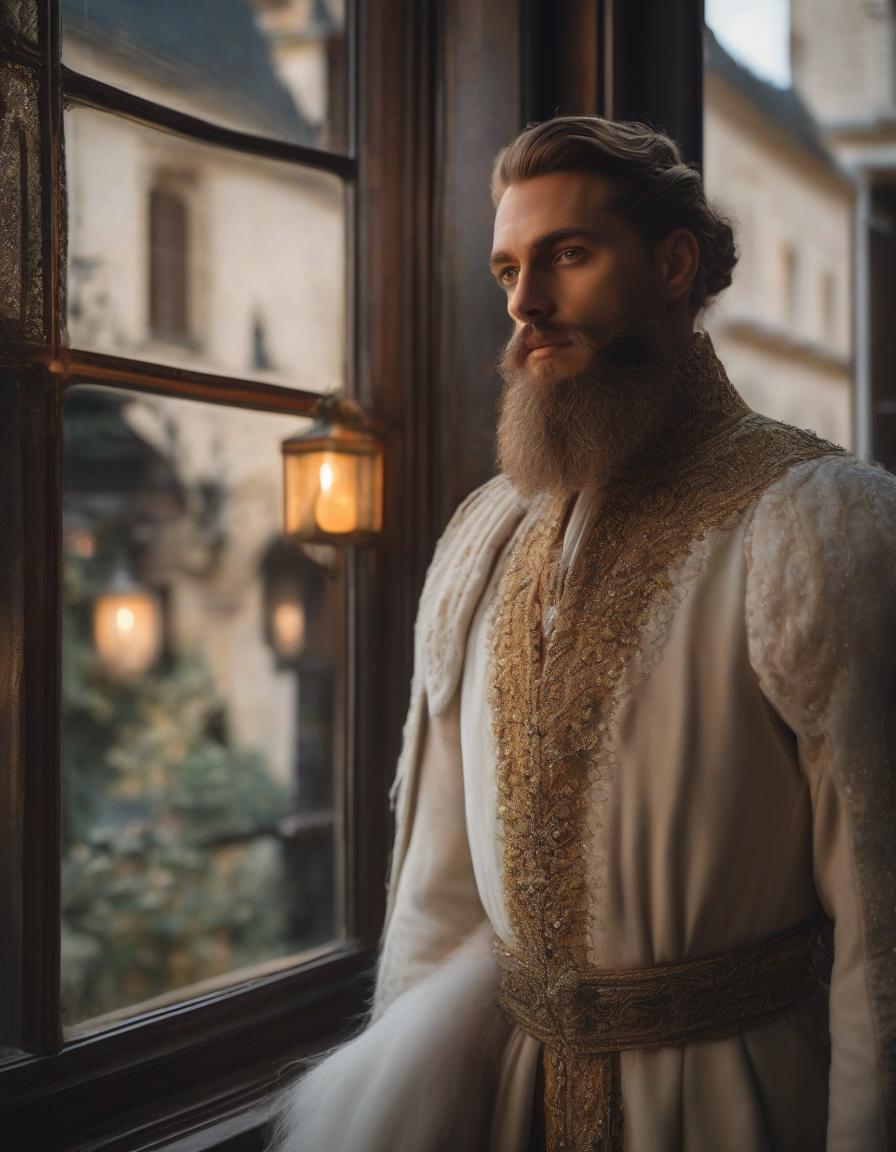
125 619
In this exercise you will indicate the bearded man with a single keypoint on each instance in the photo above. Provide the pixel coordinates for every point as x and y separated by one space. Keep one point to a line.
642 889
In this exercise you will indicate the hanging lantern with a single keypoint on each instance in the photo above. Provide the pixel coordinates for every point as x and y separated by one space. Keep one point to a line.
293 593
288 628
333 478
127 626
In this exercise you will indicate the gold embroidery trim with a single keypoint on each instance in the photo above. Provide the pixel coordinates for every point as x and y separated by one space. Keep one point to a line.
553 699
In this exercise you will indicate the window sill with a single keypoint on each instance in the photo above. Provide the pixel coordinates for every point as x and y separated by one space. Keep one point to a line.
188 1072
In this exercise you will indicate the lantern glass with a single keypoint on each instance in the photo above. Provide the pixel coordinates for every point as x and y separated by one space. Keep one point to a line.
127 629
332 490
288 628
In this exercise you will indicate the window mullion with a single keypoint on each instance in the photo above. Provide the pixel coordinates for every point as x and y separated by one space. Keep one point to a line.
41 1024
12 678
80 366
85 90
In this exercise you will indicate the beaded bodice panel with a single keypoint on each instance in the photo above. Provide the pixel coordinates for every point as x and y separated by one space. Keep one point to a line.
555 691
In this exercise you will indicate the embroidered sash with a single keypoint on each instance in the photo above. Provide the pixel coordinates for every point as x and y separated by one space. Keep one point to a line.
585 1026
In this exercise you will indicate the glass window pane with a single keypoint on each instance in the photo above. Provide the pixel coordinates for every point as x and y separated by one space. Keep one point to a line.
783 328
270 67
202 694
202 258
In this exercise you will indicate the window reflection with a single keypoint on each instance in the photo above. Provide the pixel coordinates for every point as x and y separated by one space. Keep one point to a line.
202 693
206 259
270 67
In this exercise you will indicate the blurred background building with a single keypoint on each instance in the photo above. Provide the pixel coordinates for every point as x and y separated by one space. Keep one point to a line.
799 147
193 255
783 328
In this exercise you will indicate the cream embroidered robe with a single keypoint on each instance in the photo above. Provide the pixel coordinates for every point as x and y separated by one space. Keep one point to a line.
738 775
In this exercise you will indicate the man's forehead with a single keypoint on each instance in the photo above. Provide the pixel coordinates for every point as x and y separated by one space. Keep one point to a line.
555 202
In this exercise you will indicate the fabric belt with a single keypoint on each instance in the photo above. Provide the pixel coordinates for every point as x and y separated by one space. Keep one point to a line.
584 1022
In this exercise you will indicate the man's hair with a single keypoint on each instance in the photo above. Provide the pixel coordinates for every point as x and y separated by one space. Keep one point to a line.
652 185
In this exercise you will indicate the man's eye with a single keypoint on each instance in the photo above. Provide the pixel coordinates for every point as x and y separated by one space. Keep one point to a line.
571 254
506 274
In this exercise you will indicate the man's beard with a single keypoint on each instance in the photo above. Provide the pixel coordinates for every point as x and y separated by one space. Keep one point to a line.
558 432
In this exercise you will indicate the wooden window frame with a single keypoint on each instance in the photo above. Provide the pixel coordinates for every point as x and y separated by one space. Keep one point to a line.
623 59
204 1066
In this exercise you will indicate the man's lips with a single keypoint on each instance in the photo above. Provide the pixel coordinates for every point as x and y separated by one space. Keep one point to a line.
546 345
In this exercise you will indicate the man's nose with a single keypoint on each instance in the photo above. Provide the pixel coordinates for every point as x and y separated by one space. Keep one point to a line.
529 299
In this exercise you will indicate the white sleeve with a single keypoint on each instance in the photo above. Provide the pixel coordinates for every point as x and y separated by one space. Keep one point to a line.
436 903
821 617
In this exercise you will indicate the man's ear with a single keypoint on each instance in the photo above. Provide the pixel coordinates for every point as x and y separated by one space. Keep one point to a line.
678 260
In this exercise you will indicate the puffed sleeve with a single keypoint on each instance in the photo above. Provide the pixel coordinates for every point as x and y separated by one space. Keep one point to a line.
821 619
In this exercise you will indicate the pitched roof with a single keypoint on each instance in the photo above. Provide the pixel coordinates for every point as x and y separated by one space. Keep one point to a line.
212 48
783 107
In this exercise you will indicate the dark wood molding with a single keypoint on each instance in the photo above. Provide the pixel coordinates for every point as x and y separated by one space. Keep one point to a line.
12 680
561 71
391 227
39 705
623 59
655 66
236 1117
396 283
479 112
41 458
182 1059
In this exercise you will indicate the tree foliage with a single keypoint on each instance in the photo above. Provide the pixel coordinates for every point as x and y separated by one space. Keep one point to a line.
169 831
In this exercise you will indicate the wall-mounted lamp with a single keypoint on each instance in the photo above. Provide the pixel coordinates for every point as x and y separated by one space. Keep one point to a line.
127 626
288 628
293 590
333 477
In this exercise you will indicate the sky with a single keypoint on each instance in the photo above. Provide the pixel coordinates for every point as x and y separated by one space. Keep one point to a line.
757 34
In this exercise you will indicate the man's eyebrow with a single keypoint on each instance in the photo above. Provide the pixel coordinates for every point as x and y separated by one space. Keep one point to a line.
546 241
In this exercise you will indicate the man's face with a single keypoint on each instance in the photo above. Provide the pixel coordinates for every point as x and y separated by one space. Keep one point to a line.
585 390
577 275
